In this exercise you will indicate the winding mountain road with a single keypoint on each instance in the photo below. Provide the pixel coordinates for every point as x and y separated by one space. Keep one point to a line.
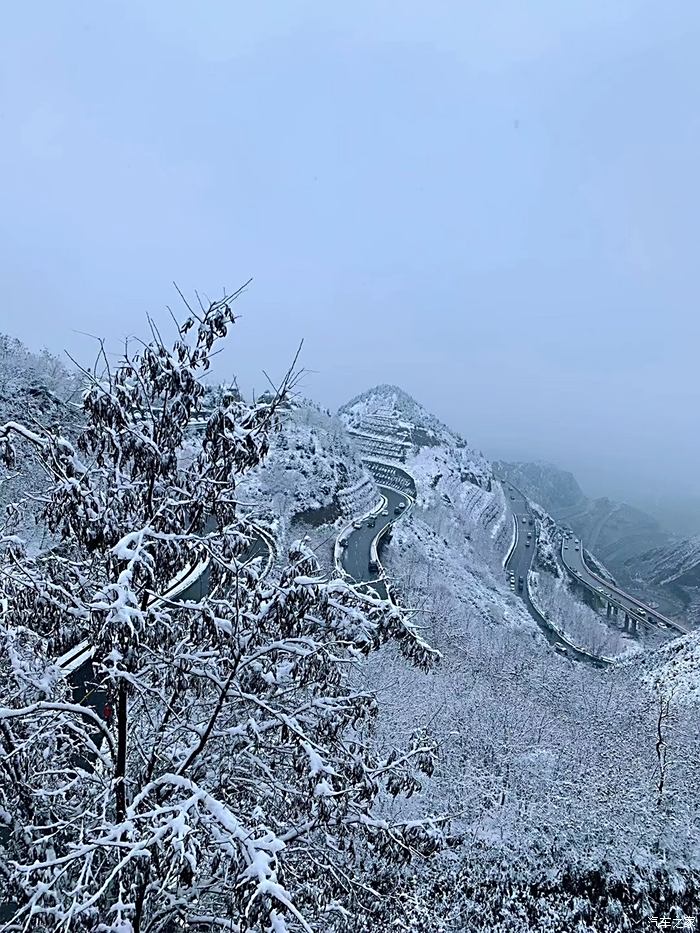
519 563
360 544
573 558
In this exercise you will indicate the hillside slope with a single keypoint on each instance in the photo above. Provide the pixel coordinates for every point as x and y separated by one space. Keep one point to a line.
386 421
661 568
548 767
35 388
311 482
549 771
615 531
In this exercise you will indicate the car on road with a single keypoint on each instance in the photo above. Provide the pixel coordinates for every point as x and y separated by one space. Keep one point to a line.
401 506
373 566
371 523
357 523
576 548
397 511
661 624
566 547
343 542
512 497
385 512
530 520
527 543
561 649
524 519
521 583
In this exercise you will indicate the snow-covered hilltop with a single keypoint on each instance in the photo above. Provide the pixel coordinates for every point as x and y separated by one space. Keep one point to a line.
453 481
387 421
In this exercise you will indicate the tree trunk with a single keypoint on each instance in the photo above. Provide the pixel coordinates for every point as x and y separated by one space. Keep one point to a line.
120 773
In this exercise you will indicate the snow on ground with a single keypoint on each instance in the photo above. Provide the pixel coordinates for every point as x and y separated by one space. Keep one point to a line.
547 555
581 625
547 767
35 388
311 481
673 671
459 510
545 764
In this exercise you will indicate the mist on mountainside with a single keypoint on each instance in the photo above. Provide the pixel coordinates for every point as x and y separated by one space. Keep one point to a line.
675 512
492 206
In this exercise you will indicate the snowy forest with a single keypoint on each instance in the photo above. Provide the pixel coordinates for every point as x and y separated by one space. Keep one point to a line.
204 725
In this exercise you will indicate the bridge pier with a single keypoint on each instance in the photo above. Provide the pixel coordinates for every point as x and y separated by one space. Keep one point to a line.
634 625
626 626
608 611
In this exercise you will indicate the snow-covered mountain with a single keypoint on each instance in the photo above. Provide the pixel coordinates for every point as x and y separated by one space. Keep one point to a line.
533 748
616 532
35 388
557 489
387 421
312 480
549 770
663 568
674 571
677 563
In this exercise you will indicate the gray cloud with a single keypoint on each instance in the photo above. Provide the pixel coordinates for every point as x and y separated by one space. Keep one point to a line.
493 205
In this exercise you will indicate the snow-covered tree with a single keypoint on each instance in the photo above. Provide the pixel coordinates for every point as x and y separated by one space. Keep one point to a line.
237 788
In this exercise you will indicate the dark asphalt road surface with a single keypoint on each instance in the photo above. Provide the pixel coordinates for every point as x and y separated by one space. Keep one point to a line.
573 559
356 555
520 562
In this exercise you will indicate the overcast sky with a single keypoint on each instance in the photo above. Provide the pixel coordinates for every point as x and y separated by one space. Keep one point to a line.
493 204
